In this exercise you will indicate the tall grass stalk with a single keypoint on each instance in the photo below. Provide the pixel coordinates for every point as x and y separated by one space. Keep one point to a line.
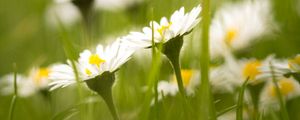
153 76
283 110
14 98
71 54
154 59
207 111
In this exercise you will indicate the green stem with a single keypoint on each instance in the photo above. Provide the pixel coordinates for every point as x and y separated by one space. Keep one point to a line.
154 59
239 111
103 85
110 103
284 113
206 105
14 99
12 107
172 51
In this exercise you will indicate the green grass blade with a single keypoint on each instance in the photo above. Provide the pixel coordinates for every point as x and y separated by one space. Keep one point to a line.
240 103
207 110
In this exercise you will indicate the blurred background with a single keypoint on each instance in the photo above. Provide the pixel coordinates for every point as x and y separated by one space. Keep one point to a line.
30 37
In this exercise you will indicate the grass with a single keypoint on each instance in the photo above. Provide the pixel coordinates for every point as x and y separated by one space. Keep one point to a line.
27 39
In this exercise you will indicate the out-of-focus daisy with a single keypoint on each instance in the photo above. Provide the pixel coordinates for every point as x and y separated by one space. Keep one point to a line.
25 86
37 80
233 73
92 64
236 25
62 12
279 68
115 5
179 25
288 87
294 64
190 81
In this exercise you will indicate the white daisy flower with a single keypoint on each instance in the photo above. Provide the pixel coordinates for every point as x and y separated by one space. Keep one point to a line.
233 73
27 85
115 5
294 64
190 81
288 87
179 24
280 68
62 12
235 26
92 64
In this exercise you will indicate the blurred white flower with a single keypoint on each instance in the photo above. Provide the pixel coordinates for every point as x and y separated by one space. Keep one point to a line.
288 87
294 64
190 79
27 85
62 12
91 64
115 5
233 73
179 24
236 25
280 67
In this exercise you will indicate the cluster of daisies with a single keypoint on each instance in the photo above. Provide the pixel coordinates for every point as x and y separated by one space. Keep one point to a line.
234 27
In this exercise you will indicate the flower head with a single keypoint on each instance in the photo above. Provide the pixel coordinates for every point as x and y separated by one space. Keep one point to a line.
36 80
179 24
62 12
190 81
92 64
288 88
294 64
235 26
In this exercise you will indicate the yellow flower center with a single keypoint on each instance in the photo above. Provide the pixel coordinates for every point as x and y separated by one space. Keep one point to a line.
40 74
251 69
186 77
88 72
96 60
286 86
163 28
295 61
230 36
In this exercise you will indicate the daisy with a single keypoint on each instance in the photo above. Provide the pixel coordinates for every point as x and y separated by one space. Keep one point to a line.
294 64
36 81
25 86
97 69
91 64
233 73
178 25
289 88
280 68
190 81
62 12
235 26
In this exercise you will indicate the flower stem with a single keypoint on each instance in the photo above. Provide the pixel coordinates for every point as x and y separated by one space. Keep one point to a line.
14 99
103 84
172 51
284 113
109 101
